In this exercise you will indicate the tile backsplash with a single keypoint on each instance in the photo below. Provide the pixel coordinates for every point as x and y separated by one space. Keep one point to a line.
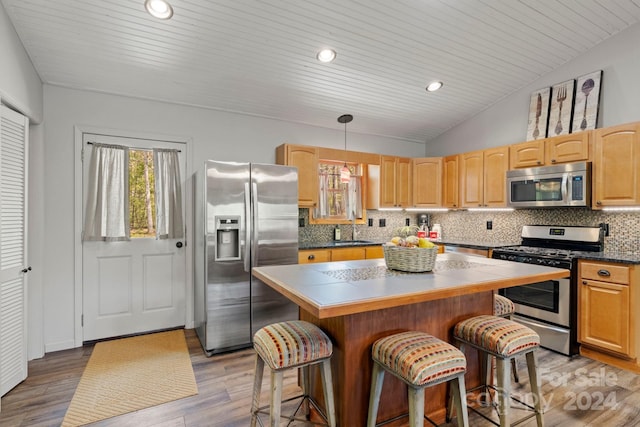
312 233
624 227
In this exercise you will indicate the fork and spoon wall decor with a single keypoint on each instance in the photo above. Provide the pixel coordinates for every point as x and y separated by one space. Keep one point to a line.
561 108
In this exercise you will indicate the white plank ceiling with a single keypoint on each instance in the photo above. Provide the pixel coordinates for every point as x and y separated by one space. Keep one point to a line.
258 56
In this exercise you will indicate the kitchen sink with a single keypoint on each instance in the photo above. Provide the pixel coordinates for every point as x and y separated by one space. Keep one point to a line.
352 242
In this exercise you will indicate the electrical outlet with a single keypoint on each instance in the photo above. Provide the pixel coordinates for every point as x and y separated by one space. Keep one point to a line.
489 225
300 222
407 221
382 222
605 227
370 222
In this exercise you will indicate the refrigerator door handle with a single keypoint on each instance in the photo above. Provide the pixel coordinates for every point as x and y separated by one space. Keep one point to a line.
256 231
247 229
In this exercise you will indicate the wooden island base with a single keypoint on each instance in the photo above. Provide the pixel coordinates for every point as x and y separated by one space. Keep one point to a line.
353 336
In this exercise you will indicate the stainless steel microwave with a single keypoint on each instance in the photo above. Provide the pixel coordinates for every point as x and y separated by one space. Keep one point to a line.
550 186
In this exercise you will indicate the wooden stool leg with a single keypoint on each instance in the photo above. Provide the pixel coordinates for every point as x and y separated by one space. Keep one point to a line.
304 383
257 387
327 382
534 380
276 398
416 407
460 397
504 391
377 380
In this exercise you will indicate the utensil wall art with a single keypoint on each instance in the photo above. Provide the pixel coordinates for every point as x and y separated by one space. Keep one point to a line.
587 101
538 114
561 108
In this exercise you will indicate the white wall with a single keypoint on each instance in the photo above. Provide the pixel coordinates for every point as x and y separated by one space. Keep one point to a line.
215 135
506 122
20 85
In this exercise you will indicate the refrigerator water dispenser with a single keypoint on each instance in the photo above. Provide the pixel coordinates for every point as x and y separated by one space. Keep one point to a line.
227 238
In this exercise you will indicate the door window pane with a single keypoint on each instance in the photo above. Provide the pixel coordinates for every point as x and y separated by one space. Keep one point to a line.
142 208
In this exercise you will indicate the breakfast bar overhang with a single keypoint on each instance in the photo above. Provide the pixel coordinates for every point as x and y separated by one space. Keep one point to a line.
358 302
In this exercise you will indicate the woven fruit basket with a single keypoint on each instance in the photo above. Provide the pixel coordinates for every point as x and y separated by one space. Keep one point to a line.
412 260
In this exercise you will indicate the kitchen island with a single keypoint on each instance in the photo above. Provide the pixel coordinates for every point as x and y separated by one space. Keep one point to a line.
357 302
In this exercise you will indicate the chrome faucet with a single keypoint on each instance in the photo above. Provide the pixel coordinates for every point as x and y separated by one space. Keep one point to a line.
353 227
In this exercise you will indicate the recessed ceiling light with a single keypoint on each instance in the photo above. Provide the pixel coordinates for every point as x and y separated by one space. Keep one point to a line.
434 86
326 55
160 9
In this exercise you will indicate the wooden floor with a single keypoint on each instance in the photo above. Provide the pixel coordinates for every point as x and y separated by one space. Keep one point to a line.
579 392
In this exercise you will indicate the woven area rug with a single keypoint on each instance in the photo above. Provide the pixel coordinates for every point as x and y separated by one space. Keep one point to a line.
130 374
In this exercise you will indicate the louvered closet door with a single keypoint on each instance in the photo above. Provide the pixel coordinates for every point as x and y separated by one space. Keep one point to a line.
13 321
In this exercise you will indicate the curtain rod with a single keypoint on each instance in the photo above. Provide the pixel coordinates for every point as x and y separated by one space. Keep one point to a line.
135 148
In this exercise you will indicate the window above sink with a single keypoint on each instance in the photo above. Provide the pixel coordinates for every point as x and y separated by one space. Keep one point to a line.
339 203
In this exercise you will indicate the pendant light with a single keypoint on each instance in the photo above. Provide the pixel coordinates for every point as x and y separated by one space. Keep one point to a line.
345 174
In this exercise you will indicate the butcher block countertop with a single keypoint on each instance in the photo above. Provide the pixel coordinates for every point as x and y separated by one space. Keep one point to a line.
342 288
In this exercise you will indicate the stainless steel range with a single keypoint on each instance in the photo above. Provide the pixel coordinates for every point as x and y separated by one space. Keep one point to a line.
550 307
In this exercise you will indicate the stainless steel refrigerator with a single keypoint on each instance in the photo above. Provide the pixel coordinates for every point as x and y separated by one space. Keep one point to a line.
247 215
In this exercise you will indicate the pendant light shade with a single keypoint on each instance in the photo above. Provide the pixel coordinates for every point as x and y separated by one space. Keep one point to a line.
345 174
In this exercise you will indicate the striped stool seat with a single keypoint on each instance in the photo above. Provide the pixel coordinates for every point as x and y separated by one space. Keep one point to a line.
502 306
496 335
503 339
419 358
288 344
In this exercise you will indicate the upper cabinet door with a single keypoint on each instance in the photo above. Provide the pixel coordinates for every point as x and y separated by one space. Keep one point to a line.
427 182
574 147
526 154
403 182
615 166
387 181
305 158
471 179
450 182
496 164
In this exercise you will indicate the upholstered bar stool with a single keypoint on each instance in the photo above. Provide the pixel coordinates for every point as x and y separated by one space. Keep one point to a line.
289 345
419 360
504 339
504 307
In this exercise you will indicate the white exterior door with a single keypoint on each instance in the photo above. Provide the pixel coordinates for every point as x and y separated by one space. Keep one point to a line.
132 286
13 269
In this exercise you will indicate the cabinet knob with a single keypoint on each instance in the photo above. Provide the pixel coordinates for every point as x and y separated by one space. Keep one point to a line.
604 273
598 202
479 205
539 162
311 257
553 160
584 282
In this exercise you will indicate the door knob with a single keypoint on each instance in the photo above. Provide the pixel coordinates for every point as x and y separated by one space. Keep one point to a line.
179 245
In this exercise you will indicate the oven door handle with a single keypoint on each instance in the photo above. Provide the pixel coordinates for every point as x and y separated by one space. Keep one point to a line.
564 190
543 325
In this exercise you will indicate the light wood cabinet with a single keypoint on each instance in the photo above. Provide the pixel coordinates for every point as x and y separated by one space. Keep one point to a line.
616 175
374 252
395 183
605 316
309 256
427 182
483 178
575 147
450 178
526 154
348 254
305 158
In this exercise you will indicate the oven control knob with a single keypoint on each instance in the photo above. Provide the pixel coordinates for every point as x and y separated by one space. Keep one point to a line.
511 257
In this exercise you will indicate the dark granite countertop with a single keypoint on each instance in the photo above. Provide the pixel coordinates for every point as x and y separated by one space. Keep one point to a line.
475 244
338 244
620 257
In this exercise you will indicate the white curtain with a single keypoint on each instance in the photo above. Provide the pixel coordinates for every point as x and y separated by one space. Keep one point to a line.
354 199
169 223
107 210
